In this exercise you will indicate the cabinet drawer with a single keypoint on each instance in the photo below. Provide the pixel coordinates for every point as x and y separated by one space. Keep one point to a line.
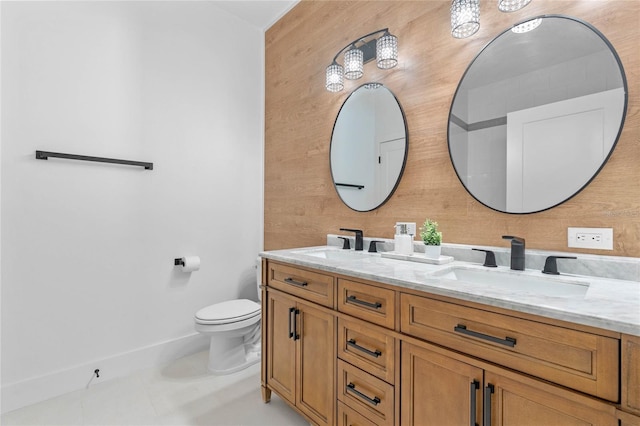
350 417
367 347
583 361
368 395
367 302
312 286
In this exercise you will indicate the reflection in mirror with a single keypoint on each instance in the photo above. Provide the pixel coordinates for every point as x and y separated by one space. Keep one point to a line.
536 115
368 147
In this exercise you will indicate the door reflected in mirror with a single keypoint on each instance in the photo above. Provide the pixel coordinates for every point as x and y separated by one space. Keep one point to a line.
536 115
369 147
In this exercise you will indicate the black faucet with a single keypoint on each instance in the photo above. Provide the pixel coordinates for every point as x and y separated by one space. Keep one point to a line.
551 266
345 245
489 258
517 252
359 239
373 248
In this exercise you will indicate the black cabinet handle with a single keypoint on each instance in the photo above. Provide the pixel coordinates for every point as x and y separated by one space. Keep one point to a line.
296 336
291 320
294 282
507 341
353 344
488 390
473 389
352 388
353 299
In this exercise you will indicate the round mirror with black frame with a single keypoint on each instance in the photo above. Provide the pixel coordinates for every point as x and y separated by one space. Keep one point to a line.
369 146
537 114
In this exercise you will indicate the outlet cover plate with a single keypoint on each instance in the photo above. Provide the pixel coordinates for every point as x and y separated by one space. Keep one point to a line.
590 238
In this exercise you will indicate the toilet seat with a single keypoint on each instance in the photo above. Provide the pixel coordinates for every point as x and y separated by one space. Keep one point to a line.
229 312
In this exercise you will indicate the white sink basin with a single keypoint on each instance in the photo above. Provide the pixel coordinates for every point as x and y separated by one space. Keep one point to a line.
515 281
338 254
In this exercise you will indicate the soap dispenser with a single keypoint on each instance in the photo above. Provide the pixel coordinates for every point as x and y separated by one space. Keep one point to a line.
403 241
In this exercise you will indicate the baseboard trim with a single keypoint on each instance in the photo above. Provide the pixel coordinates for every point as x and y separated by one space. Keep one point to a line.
26 392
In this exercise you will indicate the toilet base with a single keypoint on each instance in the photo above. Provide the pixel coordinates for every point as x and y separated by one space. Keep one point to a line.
228 355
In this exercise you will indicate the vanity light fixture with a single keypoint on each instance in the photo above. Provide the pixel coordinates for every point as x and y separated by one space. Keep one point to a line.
465 18
465 15
527 26
360 51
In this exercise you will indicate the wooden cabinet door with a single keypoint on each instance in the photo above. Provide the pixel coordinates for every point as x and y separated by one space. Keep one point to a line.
631 373
316 358
281 347
513 399
439 390
626 419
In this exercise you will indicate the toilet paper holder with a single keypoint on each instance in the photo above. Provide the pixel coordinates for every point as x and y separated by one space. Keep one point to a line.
188 263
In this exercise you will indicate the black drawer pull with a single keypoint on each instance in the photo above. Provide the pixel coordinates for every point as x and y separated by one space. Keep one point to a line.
294 282
507 341
353 299
352 388
353 344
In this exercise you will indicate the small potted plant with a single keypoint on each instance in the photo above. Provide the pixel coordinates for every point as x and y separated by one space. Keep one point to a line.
432 238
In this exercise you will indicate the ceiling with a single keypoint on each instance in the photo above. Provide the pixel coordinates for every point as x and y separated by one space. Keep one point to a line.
261 13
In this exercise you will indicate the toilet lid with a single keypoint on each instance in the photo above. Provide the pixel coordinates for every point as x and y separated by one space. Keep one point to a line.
229 311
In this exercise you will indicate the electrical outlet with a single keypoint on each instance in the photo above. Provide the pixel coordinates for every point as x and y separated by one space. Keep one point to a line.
590 238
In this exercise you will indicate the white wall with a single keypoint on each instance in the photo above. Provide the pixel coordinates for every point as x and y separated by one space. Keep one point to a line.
0 211
87 249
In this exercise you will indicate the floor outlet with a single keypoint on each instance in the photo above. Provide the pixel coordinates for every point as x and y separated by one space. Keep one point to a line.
590 238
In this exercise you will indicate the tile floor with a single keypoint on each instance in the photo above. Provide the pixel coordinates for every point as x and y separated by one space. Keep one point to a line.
182 393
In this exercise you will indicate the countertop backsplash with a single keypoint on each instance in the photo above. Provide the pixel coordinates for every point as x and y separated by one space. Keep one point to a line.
613 267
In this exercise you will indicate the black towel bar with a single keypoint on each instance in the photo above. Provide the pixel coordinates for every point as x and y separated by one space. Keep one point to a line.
44 155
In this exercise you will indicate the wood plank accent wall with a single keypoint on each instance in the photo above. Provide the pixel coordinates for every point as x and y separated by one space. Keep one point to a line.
301 204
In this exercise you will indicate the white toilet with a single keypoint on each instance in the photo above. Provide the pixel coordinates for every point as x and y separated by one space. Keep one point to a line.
234 328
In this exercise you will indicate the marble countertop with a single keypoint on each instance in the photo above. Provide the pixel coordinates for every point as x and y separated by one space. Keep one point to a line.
609 304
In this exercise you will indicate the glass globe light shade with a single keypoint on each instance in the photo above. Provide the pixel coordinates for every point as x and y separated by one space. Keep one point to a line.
512 5
334 80
387 51
353 63
465 18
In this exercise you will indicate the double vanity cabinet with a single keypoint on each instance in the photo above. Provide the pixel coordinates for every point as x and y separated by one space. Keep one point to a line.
345 350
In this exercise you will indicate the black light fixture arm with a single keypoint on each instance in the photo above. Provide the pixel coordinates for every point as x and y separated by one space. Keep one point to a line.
353 43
